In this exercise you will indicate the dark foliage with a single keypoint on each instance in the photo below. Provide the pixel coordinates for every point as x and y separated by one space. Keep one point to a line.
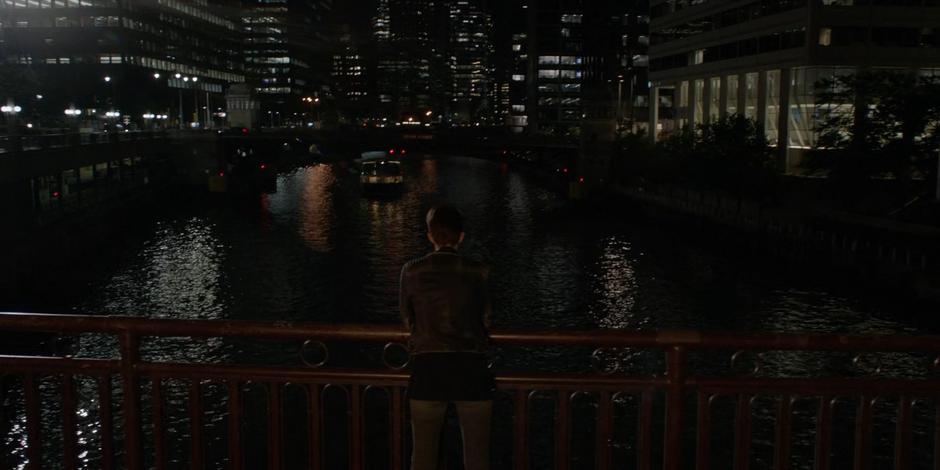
730 155
876 124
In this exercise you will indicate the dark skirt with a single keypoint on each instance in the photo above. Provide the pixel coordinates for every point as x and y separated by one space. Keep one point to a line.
450 377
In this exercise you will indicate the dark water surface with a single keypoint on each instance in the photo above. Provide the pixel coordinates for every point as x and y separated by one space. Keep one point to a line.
317 249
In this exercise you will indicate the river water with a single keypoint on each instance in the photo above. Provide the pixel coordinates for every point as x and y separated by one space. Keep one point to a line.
317 249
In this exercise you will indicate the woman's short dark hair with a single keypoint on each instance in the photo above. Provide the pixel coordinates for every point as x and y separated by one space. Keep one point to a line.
445 224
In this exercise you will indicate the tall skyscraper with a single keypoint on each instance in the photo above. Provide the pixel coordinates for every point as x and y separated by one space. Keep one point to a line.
287 54
575 60
350 86
404 51
434 60
470 50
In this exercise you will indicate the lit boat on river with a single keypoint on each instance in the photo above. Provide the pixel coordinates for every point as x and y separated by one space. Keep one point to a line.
380 170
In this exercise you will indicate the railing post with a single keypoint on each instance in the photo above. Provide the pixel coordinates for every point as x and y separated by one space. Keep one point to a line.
33 422
520 419
130 356
604 425
355 428
675 377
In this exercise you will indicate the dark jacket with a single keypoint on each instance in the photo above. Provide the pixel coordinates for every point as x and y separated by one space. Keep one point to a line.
445 303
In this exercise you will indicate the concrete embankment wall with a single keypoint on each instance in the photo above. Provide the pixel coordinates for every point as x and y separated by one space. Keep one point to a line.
882 253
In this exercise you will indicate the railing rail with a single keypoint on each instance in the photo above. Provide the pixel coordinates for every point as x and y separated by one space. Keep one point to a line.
36 142
680 388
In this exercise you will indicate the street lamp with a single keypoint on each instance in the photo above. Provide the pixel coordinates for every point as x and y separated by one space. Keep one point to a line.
619 101
313 101
195 103
180 93
156 75
10 110
107 78
147 117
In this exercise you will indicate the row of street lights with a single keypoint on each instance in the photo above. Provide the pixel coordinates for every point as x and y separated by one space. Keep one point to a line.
11 110
185 79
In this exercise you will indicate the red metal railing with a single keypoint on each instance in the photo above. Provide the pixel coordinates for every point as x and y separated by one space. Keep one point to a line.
681 388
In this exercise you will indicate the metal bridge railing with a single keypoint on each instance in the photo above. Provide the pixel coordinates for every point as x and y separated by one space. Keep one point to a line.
678 400
36 142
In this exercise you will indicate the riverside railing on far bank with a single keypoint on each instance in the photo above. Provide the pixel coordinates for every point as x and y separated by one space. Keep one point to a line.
703 386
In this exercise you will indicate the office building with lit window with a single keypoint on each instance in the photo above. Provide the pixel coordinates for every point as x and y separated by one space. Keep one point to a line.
286 52
576 60
470 49
350 82
763 58
130 59
405 52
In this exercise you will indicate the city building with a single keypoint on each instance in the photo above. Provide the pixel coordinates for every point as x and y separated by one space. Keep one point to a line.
404 51
763 58
350 86
113 63
287 55
578 60
434 61
470 51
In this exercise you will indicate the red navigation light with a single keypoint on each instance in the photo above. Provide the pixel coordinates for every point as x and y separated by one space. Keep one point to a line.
391 151
581 179
564 170
245 130
221 173
263 166
55 194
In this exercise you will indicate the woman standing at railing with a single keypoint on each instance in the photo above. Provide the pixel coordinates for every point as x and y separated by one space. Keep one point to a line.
445 304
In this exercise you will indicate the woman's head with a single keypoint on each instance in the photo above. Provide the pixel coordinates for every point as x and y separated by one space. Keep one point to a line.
445 226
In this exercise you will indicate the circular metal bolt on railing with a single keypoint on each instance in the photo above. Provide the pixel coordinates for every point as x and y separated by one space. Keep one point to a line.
601 363
737 359
402 362
861 363
306 353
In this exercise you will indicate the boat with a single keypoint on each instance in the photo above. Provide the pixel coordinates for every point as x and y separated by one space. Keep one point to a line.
380 170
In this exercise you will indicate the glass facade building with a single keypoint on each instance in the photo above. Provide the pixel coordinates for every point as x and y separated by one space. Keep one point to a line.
579 60
163 57
285 51
763 58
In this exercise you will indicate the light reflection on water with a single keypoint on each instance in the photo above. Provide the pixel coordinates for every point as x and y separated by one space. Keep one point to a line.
316 249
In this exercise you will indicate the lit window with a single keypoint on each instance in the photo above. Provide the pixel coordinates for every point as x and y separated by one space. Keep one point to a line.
825 36
518 78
